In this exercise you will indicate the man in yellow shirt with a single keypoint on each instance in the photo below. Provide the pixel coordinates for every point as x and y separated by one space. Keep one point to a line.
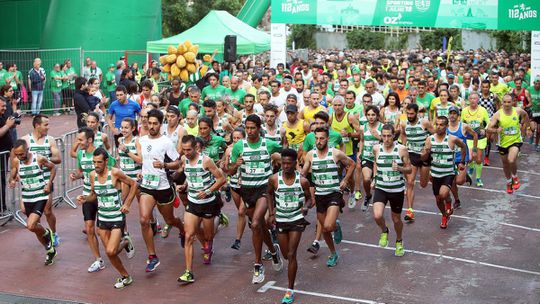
500 89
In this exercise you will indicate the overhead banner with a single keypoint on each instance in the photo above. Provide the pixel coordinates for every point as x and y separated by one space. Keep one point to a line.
471 14
535 54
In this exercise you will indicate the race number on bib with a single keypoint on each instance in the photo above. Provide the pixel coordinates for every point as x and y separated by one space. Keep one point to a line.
150 181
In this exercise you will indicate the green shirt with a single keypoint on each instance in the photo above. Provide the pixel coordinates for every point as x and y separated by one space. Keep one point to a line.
535 102
358 109
238 95
56 84
65 83
213 93
238 148
110 82
2 74
425 101
71 81
214 147
334 140
183 106
13 83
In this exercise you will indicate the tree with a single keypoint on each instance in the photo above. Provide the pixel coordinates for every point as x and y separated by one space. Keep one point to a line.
433 40
178 16
302 35
364 39
512 41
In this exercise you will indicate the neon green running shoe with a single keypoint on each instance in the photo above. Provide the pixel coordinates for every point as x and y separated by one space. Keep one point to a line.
400 251
187 277
358 195
383 240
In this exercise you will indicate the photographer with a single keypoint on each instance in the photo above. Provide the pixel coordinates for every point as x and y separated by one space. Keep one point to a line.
7 122
7 94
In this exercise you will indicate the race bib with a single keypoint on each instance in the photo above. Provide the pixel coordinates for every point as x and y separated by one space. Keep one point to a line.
474 124
510 131
391 178
256 168
107 201
346 139
196 182
31 183
535 114
325 179
150 181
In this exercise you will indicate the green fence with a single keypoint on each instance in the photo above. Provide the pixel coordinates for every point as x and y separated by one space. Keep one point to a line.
24 60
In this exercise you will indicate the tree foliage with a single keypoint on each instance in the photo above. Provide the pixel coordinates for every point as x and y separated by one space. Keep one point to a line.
178 16
512 41
434 40
303 36
363 39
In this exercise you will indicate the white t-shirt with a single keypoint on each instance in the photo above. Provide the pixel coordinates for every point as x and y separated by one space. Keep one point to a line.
279 100
378 99
155 149
172 136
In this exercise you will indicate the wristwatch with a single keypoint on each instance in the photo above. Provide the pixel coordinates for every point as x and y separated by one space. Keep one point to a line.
208 192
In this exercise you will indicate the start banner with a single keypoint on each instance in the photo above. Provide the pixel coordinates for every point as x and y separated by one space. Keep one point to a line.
470 14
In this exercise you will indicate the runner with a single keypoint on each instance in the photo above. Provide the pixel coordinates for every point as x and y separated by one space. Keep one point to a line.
173 130
371 136
295 129
237 135
440 147
102 140
414 132
204 179
191 126
42 144
28 167
155 187
288 201
105 187
390 165
477 118
312 107
509 123
490 101
249 102
322 164
252 157
85 165
221 125
270 129
462 131
390 112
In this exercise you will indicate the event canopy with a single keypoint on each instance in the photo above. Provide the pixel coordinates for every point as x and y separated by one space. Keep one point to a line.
210 34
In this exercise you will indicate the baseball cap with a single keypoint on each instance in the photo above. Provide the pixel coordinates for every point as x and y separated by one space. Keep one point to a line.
450 75
291 108
453 109
112 65
537 78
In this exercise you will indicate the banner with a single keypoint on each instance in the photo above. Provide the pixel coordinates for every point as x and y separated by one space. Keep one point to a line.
278 44
535 55
472 14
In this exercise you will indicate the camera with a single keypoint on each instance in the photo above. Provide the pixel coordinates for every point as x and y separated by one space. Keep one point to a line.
17 117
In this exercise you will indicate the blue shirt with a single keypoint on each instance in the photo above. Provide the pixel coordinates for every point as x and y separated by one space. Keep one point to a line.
36 79
121 111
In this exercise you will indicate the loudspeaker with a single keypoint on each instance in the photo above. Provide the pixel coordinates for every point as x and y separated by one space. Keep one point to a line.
229 48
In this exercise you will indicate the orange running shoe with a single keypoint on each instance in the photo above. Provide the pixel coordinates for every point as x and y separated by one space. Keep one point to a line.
509 188
515 183
409 215
449 209
444 222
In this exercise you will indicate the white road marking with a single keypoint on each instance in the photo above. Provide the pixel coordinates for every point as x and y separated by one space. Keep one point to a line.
270 285
516 192
439 255
520 171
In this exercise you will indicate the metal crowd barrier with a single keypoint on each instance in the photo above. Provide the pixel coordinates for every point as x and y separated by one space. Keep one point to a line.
10 203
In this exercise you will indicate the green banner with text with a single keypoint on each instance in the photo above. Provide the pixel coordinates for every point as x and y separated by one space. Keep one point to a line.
473 14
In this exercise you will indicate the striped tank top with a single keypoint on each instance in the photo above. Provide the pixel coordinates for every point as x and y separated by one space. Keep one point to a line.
416 137
109 202
87 165
32 181
44 150
198 180
98 140
127 164
443 158
325 174
289 200
257 167
369 141
386 179
273 137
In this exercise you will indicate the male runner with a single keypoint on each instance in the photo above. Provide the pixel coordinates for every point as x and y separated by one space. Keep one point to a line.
509 123
491 102
323 166
105 186
390 165
35 191
288 192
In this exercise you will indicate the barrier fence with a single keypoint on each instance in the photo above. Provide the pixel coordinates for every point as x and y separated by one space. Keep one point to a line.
23 59
64 187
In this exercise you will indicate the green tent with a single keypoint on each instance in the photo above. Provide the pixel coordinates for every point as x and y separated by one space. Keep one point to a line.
210 34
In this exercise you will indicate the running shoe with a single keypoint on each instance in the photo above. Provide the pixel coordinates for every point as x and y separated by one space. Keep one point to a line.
56 240
258 274
267 256
448 208
207 257
457 204
314 248
277 261
444 222
479 183
49 258
236 245
288 297
509 188
383 240
130 249
365 205
187 277
332 259
223 220
486 161
409 215
400 251
338 234
273 235
123 282
358 195
182 237
152 264
516 183
49 238
97 266
351 202
228 195
165 231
